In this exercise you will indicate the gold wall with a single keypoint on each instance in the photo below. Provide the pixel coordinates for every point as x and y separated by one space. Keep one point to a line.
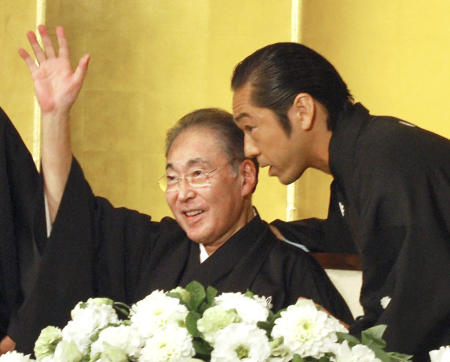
16 97
155 60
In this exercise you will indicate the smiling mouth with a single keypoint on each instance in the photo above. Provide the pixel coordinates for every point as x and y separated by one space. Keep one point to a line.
193 213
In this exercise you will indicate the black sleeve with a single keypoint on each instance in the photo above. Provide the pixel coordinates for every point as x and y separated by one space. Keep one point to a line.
94 250
331 235
309 280
22 222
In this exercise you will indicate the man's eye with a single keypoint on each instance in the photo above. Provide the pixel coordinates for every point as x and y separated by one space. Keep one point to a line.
248 128
197 173
171 179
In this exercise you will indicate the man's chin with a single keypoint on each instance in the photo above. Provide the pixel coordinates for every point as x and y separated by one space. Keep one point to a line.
287 179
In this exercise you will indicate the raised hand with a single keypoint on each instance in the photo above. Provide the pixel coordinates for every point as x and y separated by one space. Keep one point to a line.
56 84
57 87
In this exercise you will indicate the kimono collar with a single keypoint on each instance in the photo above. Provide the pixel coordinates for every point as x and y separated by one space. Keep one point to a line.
343 142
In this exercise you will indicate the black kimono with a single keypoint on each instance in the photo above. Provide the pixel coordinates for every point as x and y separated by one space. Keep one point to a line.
22 227
391 196
98 250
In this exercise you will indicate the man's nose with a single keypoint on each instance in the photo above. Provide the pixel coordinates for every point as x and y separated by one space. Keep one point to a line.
185 191
250 148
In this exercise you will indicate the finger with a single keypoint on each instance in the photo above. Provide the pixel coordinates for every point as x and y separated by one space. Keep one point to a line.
63 47
40 56
82 67
48 46
28 60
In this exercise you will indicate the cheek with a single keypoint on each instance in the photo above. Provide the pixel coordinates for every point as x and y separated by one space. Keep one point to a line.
171 199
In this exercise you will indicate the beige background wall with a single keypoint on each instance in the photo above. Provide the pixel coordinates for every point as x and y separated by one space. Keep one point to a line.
155 60
16 96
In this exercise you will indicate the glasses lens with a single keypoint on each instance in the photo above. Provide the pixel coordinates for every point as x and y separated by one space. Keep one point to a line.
162 182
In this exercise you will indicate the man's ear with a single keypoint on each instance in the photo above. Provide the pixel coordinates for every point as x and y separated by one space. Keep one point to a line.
302 111
248 174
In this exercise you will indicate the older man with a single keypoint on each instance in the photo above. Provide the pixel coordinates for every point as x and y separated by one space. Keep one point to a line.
217 238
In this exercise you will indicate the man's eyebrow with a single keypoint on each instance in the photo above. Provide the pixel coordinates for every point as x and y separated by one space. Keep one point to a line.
240 116
190 163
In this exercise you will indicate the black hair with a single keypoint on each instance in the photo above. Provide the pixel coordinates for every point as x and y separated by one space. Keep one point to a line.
280 71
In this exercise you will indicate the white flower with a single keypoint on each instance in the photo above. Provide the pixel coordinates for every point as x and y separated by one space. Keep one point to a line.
440 355
279 351
88 318
14 356
155 312
306 330
241 342
67 352
250 309
359 353
47 341
123 337
214 319
168 344
385 301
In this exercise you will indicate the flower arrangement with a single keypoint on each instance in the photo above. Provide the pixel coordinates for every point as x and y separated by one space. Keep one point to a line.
196 324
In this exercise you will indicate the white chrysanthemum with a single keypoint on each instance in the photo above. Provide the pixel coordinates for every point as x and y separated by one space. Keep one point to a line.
47 359
124 337
440 355
279 352
214 319
67 352
14 356
241 342
359 353
87 318
155 312
250 309
169 344
306 330
47 341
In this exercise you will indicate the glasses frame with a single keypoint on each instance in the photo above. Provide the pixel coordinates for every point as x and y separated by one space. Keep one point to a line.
162 181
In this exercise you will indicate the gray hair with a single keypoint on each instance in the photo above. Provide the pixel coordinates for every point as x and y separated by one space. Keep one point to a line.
219 121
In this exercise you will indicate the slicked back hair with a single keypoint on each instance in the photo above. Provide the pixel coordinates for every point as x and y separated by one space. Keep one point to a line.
280 71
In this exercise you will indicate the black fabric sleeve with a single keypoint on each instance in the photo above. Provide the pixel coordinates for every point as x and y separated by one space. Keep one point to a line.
22 220
309 280
93 250
331 235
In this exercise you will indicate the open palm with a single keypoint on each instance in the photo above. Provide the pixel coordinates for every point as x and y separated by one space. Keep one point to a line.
56 84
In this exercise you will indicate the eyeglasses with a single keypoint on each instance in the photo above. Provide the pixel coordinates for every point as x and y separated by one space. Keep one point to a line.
195 178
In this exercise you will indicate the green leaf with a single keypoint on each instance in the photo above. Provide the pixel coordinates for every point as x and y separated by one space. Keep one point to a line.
325 358
191 324
374 333
401 357
198 295
297 358
267 326
249 293
352 340
211 293
380 354
122 308
372 337
202 347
